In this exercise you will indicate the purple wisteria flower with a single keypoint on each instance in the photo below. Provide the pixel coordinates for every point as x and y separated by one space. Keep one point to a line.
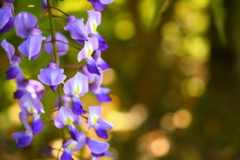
73 145
24 21
23 138
94 20
98 149
86 53
52 76
101 93
77 28
66 117
32 107
14 60
6 14
99 125
100 4
76 87
61 47
31 47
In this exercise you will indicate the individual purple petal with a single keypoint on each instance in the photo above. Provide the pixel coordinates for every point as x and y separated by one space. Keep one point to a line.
103 65
61 47
36 89
13 71
81 42
31 47
94 114
65 117
97 5
109 154
92 66
30 106
81 141
102 46
106 1
77 106
101 128
23 119
89 47
73 132
52 75
76 86
97 147
94 87
8 25
9 49
76 28
67 155
91 77
23 138
18 94
5 14
102 95
37 125
101 133
94 19
23 22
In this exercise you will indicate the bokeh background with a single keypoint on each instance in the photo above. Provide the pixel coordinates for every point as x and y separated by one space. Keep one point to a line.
175 81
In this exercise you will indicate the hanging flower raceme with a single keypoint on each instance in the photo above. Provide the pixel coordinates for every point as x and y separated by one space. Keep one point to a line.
34 108
66 117
14 60
23 138
52 76
62 48
100 4
31 47
99 125
76 87
24 21
6 14
77 29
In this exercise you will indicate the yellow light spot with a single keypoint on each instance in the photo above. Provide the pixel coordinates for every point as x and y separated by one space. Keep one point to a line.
197 21
167 122
77 91
193 87
14 110
159 147
124 29
182 118
68 121
198 47
108 77
147 10
200 4
73 6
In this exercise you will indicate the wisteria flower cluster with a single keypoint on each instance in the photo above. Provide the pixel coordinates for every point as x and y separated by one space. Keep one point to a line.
70 111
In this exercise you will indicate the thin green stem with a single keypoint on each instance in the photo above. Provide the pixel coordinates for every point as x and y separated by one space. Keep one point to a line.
55 57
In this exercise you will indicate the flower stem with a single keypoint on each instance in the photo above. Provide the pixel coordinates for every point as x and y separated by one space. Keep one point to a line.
55 57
